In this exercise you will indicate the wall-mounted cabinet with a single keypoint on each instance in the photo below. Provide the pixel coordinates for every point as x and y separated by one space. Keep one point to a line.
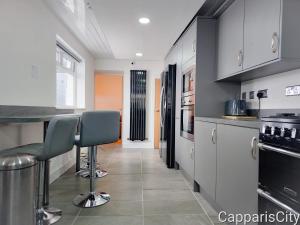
258 38
230 40
189 43
261 32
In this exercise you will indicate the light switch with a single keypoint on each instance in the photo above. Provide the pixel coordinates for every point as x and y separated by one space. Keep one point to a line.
35 72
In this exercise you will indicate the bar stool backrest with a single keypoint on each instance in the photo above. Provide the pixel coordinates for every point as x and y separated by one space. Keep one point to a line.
60 136
99 127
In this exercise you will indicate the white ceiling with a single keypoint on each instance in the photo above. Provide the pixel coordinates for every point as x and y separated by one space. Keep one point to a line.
110 28
119 21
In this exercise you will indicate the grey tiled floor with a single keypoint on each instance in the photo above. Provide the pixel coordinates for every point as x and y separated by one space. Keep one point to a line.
143 192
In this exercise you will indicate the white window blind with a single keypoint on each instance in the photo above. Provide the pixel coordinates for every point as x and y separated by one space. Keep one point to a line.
68 75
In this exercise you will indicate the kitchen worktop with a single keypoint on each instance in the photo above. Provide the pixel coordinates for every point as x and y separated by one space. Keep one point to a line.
234 122
31 118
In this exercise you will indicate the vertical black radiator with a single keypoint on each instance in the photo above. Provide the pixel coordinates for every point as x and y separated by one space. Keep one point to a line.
137 105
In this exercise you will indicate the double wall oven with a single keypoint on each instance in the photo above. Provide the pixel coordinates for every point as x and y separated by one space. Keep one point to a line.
188 104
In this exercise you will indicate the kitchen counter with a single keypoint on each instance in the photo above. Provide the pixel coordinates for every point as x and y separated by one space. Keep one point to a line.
256 124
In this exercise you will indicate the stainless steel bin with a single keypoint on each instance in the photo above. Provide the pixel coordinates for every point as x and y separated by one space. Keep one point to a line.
18 190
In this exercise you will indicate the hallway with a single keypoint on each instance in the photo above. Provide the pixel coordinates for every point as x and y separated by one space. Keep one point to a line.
143 192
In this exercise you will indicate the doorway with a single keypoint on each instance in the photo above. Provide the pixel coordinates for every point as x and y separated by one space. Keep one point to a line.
108 93
157 114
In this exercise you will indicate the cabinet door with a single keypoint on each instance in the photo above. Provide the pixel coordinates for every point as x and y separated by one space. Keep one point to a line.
230 40
262 31
237 169
206 157
189 43
178 144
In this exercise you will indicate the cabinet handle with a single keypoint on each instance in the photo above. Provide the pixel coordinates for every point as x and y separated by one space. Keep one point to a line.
253 147
194 46
274 42
240 58
213 135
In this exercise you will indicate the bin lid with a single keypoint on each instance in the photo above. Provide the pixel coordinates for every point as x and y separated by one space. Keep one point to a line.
15 162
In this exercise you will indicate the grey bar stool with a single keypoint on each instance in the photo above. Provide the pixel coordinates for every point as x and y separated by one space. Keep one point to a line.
59 140
96 128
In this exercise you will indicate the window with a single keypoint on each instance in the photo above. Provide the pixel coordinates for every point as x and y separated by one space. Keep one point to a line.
69 79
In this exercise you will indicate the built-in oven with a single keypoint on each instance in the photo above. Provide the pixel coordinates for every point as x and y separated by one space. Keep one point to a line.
187 117
188 82
279 167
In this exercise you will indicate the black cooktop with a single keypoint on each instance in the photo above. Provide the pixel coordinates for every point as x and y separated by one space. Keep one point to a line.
283 118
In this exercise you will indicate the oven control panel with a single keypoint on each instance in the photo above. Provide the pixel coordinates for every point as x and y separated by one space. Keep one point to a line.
281 134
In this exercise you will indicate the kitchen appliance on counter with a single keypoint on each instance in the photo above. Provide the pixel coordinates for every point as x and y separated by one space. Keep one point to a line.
235 107
167 117
188 104
279 164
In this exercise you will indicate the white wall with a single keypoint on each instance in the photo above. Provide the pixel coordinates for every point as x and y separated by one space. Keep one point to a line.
276 85
154 69
28 38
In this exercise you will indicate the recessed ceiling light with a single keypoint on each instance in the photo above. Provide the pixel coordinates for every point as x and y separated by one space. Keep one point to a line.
139 54
144 20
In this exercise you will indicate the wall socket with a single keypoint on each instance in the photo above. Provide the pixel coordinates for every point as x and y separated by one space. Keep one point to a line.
244 95
264 92
251 94
292 90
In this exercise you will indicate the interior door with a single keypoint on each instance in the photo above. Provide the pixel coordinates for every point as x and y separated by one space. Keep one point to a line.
262 31
157 114
108 93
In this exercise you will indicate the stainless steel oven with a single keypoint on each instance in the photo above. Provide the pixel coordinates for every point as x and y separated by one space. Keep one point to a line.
188 82
279 165
187 117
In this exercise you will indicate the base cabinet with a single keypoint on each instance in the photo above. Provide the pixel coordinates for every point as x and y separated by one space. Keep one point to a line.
237 169
206 157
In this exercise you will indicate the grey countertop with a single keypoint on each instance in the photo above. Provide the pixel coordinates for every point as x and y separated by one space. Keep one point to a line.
31 118
256 124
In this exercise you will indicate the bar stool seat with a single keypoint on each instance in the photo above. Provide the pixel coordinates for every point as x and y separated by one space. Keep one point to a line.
96 128
59 140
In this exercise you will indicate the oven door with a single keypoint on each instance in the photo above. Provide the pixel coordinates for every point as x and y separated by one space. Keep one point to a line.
188 83
187 122
279 174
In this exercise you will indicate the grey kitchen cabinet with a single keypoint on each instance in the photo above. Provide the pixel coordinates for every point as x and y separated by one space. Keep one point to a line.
261 32
230 40
237 169
189 43
187 156
178 142
267 35
206 157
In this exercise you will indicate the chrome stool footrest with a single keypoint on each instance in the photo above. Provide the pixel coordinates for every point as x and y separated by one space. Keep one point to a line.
90 200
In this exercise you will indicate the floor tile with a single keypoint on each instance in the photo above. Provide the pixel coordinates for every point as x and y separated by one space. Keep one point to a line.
177 220
115 208
172 207
110 220
143 192
175 195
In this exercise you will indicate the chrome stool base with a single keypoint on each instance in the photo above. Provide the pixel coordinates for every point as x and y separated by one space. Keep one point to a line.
90 200
98 173
48 218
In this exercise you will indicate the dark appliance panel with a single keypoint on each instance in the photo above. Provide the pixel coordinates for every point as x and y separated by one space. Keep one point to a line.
168 98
